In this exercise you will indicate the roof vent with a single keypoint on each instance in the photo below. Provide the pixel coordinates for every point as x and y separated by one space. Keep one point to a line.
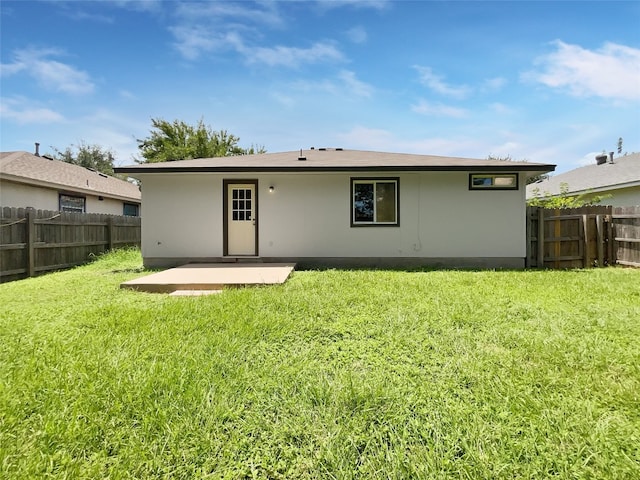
322 149
339 149
301 157
37 154
602 158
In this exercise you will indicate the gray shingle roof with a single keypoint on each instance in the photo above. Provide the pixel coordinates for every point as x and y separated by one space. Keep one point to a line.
27 168
623 172
333 160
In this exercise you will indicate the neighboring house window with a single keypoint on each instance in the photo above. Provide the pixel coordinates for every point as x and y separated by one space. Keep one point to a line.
71 203
493 181
374 201
131 209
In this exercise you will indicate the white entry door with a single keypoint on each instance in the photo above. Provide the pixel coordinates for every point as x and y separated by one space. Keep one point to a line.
241 219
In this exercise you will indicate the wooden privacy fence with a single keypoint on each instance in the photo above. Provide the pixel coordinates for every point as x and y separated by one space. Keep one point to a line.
583 237
37 241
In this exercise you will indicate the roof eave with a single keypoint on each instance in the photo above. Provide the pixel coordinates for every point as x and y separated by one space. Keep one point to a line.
539 168
67 188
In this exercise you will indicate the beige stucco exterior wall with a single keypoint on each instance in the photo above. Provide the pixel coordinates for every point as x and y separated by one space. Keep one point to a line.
308 215
20 195
621 197
181 215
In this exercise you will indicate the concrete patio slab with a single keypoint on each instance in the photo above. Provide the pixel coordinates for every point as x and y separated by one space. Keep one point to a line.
210 277
193 293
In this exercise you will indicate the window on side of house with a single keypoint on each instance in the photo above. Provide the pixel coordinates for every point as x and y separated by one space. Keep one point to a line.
374 202
131 209
493 181
72 203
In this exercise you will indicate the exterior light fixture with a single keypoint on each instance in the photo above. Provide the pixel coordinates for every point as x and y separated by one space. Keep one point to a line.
271 189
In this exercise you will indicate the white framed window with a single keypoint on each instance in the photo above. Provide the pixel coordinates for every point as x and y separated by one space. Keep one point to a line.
493 181
374 202
72 203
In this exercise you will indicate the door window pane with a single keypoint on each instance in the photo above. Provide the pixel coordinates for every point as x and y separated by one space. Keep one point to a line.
241 204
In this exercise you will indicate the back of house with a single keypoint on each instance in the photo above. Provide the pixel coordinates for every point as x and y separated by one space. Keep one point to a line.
336 207
42 183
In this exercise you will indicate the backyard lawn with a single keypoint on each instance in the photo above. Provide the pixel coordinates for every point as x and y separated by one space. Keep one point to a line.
335 374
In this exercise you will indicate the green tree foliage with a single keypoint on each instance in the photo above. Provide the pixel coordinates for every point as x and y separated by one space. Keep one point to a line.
564 200
87 155
178 140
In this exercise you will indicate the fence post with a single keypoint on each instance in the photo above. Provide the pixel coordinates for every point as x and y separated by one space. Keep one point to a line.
600 239
540 260
585 240
31 240
110 233
529 234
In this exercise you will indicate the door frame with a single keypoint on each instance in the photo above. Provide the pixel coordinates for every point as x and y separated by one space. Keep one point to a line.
225 212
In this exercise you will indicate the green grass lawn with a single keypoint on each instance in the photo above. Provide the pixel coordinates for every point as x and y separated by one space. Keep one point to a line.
335 374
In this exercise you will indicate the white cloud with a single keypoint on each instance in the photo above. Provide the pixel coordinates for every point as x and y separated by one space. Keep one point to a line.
365 138
315 87
426 108
283 99
612 71
140 5
126 94
22 112
368 139
501 108
373 4
50 74
344 84
494 83
588 159
507 150
82 16
227 12
214 26
436 83
291 56
355 86
193 41
357 34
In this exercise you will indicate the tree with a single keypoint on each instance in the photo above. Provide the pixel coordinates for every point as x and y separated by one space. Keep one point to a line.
507 158
178 140
564 200
86 155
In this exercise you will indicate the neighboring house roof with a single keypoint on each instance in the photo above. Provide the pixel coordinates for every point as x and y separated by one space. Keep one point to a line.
334 159
24 167
624 172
